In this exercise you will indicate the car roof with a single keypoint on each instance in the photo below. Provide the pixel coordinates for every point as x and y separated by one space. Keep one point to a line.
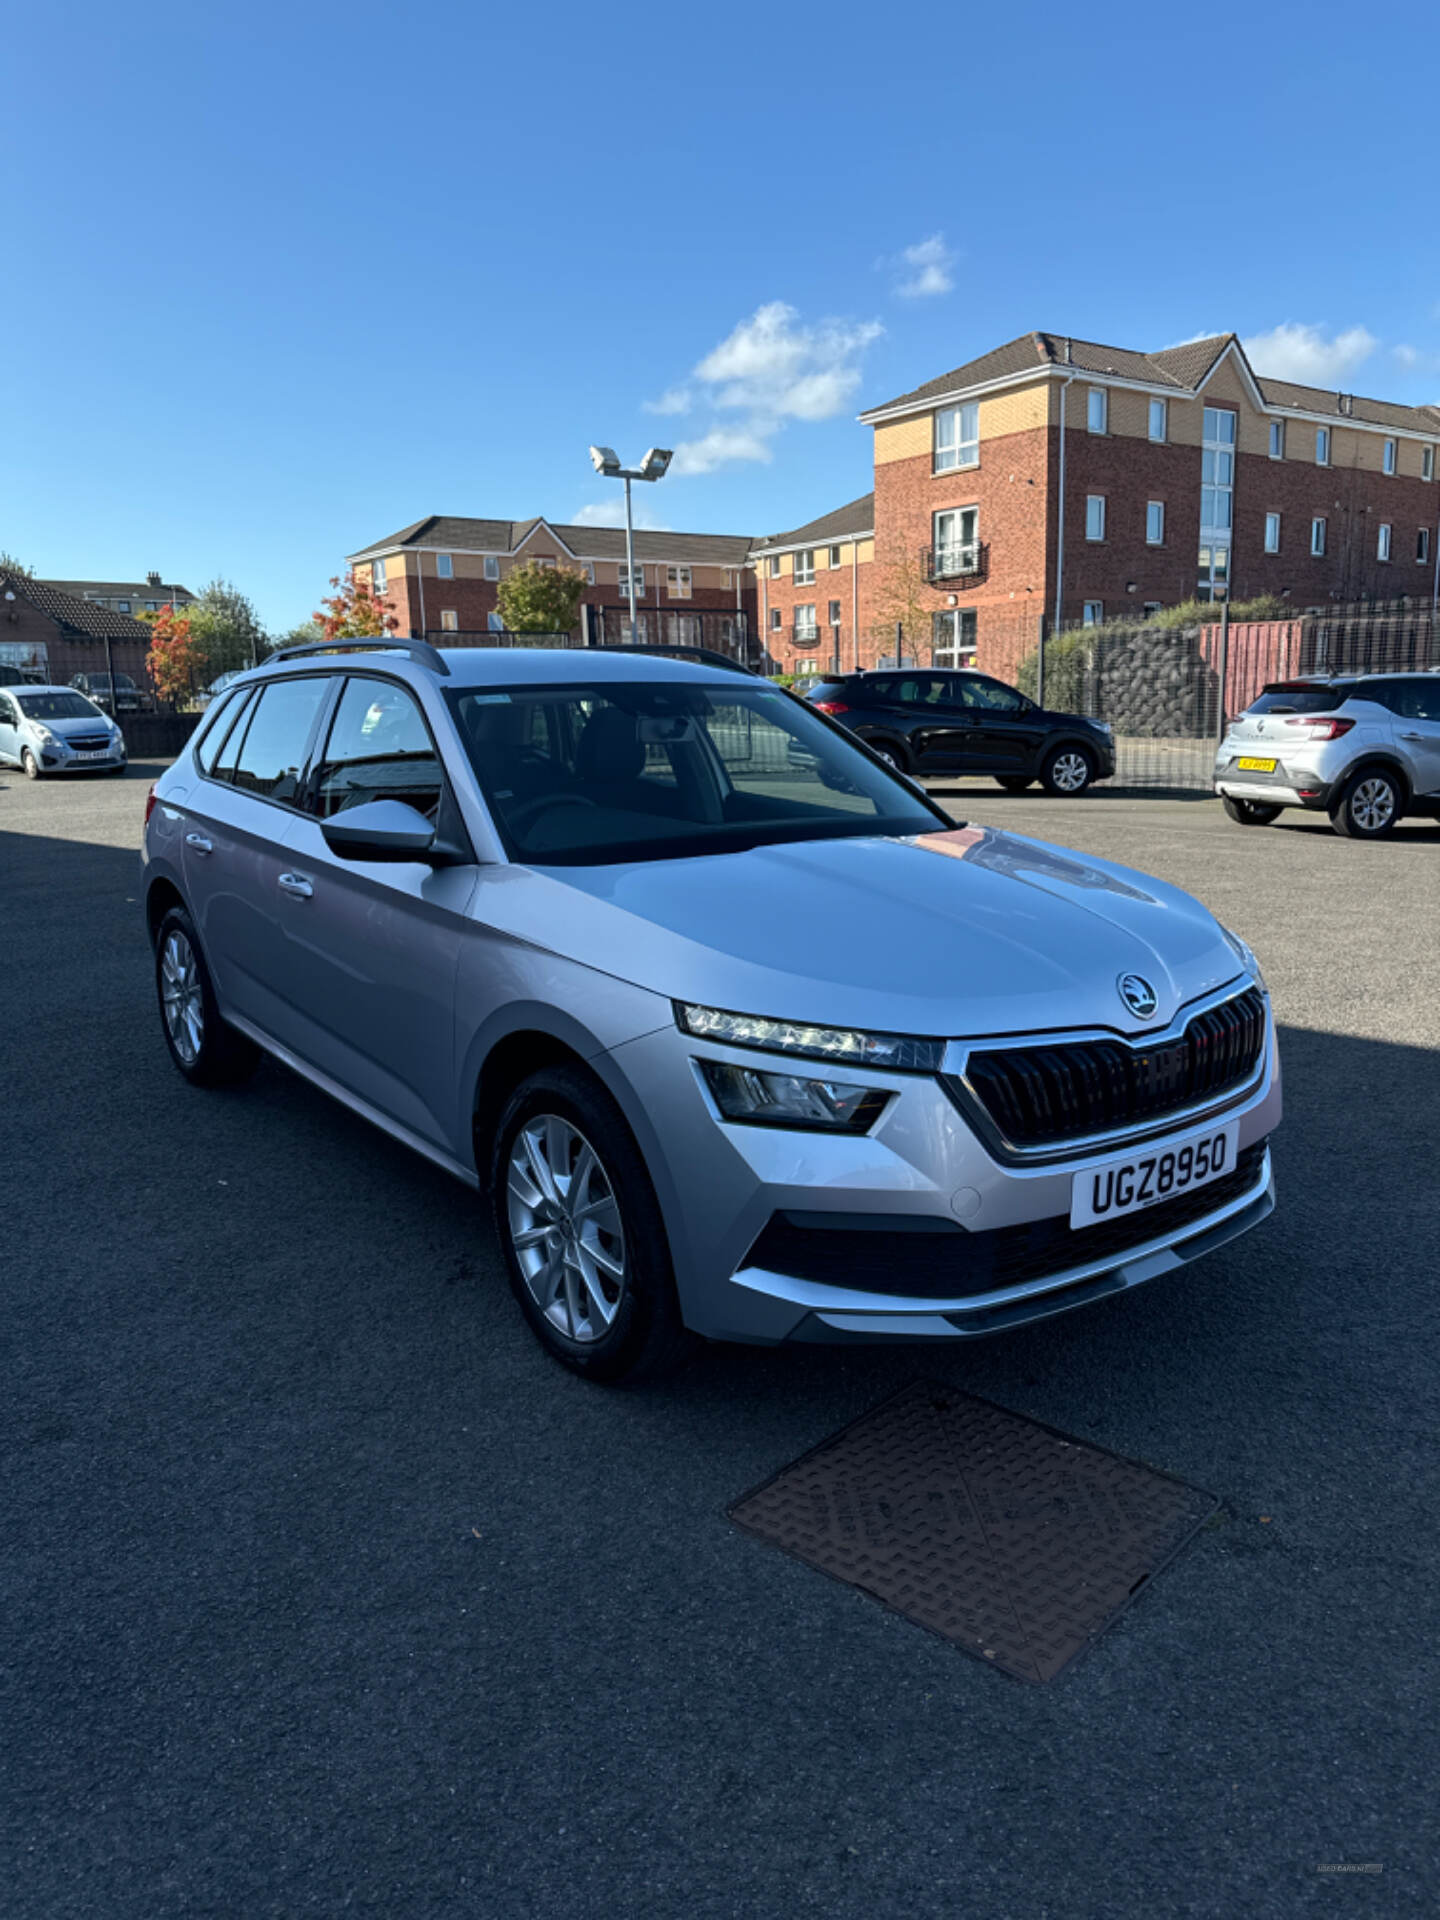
514 666
29 686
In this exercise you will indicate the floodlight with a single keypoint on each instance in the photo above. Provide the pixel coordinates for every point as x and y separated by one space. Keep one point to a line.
656 460
605 459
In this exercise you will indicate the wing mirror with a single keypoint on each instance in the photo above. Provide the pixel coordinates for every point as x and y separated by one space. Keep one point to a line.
379 830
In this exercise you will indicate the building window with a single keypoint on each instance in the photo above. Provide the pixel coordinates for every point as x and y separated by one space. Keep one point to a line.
544 561
492 566
677 583
1214 582
806 627
772 566
1277 439
625 579
1322 446
1427 463
1389 456
805 568
1382 541
1422 545
377 576
777 619
1094 516
1097 410
1317 537
122 606
1272 533
1093 613
495 623
834 556
834 613
444 566
152 606
1217 474
1159 419
956 543
952 638
449 620
957 437
1152 606
1154 523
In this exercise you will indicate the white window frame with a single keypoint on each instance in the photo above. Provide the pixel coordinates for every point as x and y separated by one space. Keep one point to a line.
624 578
378 577
1317 537
1272 533
679 583
449 620
777 619
495 622
957 441
492 566
1427 463
122 606
1097 410
964 547
1389 459
1322 446
834 557
587 567
1277 439
836 614
805 621
1154 523
1160 413
1422 546
1384 540
444 566
1095 517
1092 613
805 567
773 566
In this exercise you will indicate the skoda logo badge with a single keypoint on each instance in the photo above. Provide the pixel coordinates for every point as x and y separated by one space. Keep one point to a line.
1138 995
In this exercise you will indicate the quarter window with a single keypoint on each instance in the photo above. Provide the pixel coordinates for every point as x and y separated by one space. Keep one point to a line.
1382 543
1272 533
1097 410
1317 537
445 566
1095 516
272 757
1322 446
1159 419
957 437
1155 523
379 749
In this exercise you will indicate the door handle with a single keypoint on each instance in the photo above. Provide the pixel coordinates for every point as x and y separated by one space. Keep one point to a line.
296 886
199 843
1414 736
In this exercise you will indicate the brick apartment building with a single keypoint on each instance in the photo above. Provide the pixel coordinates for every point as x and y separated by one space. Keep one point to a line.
58 635
1174 475
441 576
814 589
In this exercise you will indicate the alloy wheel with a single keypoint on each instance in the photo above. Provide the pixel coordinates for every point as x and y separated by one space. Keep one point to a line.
1372 805
181 999
565 1227
1070 772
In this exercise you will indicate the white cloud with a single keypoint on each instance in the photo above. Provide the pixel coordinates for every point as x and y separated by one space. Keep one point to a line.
674 400
1293 351
611 513
1406 356
722 447
927 268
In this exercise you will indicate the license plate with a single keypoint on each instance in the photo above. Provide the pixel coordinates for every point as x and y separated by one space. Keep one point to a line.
1255 766
1158 1173
100 753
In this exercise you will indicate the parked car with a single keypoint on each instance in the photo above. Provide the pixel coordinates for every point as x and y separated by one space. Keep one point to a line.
744 1038
20 677
1364 748
938 720
128 698
217 686
56 730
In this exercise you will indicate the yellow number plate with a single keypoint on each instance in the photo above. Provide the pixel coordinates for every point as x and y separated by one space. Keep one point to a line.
1256 766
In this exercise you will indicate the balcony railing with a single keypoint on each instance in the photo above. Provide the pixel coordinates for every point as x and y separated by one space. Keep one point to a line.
966 560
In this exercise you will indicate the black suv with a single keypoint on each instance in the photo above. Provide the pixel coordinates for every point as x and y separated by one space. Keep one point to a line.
128 697
939 720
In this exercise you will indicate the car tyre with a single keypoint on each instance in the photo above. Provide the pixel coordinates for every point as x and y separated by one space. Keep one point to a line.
1368 806
1066 771
1251 813
1015 782
582 1234
892 753
205 1048
30 765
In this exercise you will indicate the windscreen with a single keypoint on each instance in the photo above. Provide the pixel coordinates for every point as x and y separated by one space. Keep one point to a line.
56 706
589 775
1306 699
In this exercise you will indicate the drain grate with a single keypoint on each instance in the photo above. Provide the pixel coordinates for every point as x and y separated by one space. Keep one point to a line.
1016 1543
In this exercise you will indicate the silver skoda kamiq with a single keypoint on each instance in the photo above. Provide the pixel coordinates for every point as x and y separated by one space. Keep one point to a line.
742 1037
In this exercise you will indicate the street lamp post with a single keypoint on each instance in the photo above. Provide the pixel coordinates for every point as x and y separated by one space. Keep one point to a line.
653 467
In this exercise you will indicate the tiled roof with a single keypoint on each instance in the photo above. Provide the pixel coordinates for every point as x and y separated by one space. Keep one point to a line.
858 517
81 616
453 535
120 589
1183 368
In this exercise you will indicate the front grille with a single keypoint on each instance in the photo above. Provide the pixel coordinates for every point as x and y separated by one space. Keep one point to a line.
951 1264
1042 1095
87 742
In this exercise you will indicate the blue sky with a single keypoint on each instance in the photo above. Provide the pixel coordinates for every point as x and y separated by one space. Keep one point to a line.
282 279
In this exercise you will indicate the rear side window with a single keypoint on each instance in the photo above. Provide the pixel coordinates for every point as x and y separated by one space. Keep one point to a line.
1417 699
216 727
272 754
992 696
379 749
1306 699
227 740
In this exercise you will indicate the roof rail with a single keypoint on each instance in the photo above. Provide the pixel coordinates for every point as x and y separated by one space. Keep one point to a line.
702 656
419 650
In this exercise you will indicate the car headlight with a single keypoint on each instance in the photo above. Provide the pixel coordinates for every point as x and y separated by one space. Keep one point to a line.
1244 954
895 1050
43 735
757 1097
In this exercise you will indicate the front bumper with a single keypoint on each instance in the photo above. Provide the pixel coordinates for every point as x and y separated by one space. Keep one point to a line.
921 1171
55 760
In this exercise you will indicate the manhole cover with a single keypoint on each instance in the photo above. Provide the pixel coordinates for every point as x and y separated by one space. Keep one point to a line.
1014 1542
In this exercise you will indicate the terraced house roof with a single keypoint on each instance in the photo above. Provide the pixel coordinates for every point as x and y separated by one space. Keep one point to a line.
448 533
79 616
843 524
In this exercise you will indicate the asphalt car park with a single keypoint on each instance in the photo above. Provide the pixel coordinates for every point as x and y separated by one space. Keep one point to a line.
327 1591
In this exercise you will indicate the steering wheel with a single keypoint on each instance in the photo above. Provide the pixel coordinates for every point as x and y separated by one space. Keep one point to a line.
532 809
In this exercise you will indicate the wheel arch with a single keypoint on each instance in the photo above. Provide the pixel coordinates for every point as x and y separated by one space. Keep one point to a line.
1386 762
160 896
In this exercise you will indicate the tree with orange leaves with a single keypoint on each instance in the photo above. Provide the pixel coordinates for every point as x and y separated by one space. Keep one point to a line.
175 655
354 611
